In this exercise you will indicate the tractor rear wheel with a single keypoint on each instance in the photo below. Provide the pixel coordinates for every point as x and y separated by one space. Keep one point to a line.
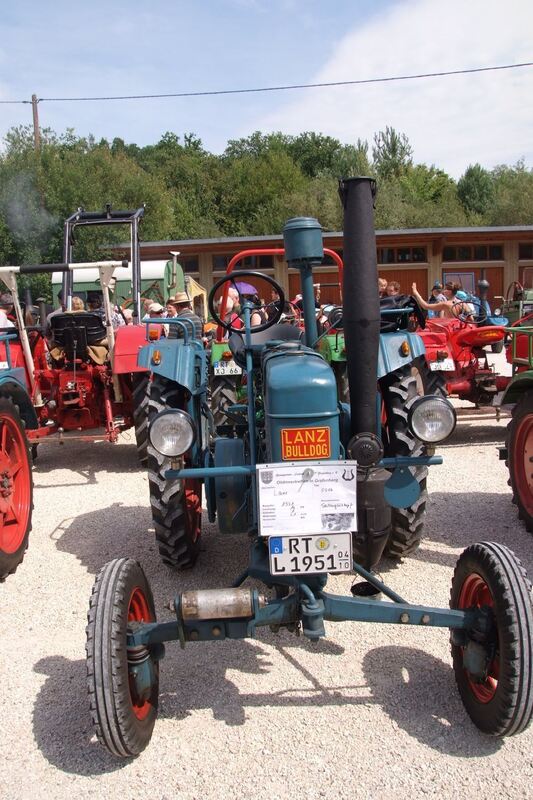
223 394
123 718
427 380
499 697
16 489
176 504
398 392
140 396
520 458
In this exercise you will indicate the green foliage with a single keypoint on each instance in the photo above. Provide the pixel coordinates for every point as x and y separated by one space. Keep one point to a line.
475 189
251 189
392 153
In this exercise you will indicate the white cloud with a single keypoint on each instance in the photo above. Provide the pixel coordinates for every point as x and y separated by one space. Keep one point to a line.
450 121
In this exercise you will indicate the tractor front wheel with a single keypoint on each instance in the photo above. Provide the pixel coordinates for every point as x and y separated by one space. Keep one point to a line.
499 696
16 489
123 717
176 504
428 381
223 395
520 458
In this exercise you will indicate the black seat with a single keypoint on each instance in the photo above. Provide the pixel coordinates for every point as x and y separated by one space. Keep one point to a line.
74 332
400 321
277 333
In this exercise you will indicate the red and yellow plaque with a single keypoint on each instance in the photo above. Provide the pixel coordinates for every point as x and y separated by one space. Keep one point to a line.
305 443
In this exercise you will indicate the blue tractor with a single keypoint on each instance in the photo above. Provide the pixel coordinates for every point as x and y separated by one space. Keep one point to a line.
317 485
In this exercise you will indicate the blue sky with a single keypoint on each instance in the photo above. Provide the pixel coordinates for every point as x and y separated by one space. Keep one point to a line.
59 48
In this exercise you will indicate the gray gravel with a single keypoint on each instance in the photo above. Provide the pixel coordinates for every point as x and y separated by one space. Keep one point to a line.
371 710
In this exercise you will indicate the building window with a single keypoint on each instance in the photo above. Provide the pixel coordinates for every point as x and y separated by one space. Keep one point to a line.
525 250
327 261
473 252
401 255
189 263
220 263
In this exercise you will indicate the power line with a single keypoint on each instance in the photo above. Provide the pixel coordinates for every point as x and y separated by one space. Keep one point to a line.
213 93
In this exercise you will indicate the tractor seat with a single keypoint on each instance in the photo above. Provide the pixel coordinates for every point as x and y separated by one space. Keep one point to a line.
277 333
74 332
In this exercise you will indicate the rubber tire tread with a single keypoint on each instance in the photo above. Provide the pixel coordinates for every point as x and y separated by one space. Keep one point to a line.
399 392
141 397
167 498
9 562
116 725
511 709
521 409
433 382
223 394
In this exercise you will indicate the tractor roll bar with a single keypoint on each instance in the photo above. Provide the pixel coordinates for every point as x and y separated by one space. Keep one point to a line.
267 251
106 217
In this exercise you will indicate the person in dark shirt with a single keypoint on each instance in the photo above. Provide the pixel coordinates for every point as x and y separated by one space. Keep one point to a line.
182 304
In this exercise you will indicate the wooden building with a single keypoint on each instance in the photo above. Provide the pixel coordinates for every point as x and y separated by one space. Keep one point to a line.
423 255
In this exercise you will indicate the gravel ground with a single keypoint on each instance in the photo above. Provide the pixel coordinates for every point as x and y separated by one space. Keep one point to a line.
369 711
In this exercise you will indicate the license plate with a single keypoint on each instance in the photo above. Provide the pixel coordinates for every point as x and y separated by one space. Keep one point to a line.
226 368
303 555
446 365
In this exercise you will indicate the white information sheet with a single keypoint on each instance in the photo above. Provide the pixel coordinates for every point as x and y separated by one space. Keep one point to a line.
307 497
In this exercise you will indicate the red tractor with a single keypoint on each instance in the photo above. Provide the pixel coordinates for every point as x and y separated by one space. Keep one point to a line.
81 373
455 349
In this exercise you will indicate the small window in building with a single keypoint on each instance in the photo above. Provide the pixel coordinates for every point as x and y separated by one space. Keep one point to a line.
220 263
404 254
480 252
419 254
448 254
525 250
464 253
496 252
189 263
387 254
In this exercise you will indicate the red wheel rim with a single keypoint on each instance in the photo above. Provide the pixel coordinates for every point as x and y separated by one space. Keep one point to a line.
139 611
474 594
193 508
15 486
523 463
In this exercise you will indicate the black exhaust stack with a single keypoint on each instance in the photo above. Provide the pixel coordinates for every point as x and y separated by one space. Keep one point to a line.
361 320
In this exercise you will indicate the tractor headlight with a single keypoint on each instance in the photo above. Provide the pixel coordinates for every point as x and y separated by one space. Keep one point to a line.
497 312
172 433
432 419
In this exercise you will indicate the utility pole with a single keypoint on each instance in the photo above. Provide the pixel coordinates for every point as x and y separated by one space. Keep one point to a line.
36 132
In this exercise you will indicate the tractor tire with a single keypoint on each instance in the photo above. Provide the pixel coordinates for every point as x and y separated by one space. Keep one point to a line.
519 455
123 721
141 396
176 504
223 394
16 501
398 391
500 702
428 381
497 347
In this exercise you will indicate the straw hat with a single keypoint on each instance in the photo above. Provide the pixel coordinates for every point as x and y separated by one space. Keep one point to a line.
179 298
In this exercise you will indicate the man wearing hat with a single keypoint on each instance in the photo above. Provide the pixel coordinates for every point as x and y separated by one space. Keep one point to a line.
184 311
436 297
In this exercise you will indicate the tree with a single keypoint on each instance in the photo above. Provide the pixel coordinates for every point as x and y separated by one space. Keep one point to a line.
475 189
392 153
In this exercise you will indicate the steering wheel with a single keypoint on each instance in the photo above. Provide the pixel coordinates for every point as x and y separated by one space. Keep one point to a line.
418 313
238 275
479 317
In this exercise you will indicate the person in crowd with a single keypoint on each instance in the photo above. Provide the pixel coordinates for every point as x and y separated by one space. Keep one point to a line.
171 310
393 289
146 303
94 303
78 304
6 305
274 306
127 313
450 308
436 297
59 310
382 287
183 306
